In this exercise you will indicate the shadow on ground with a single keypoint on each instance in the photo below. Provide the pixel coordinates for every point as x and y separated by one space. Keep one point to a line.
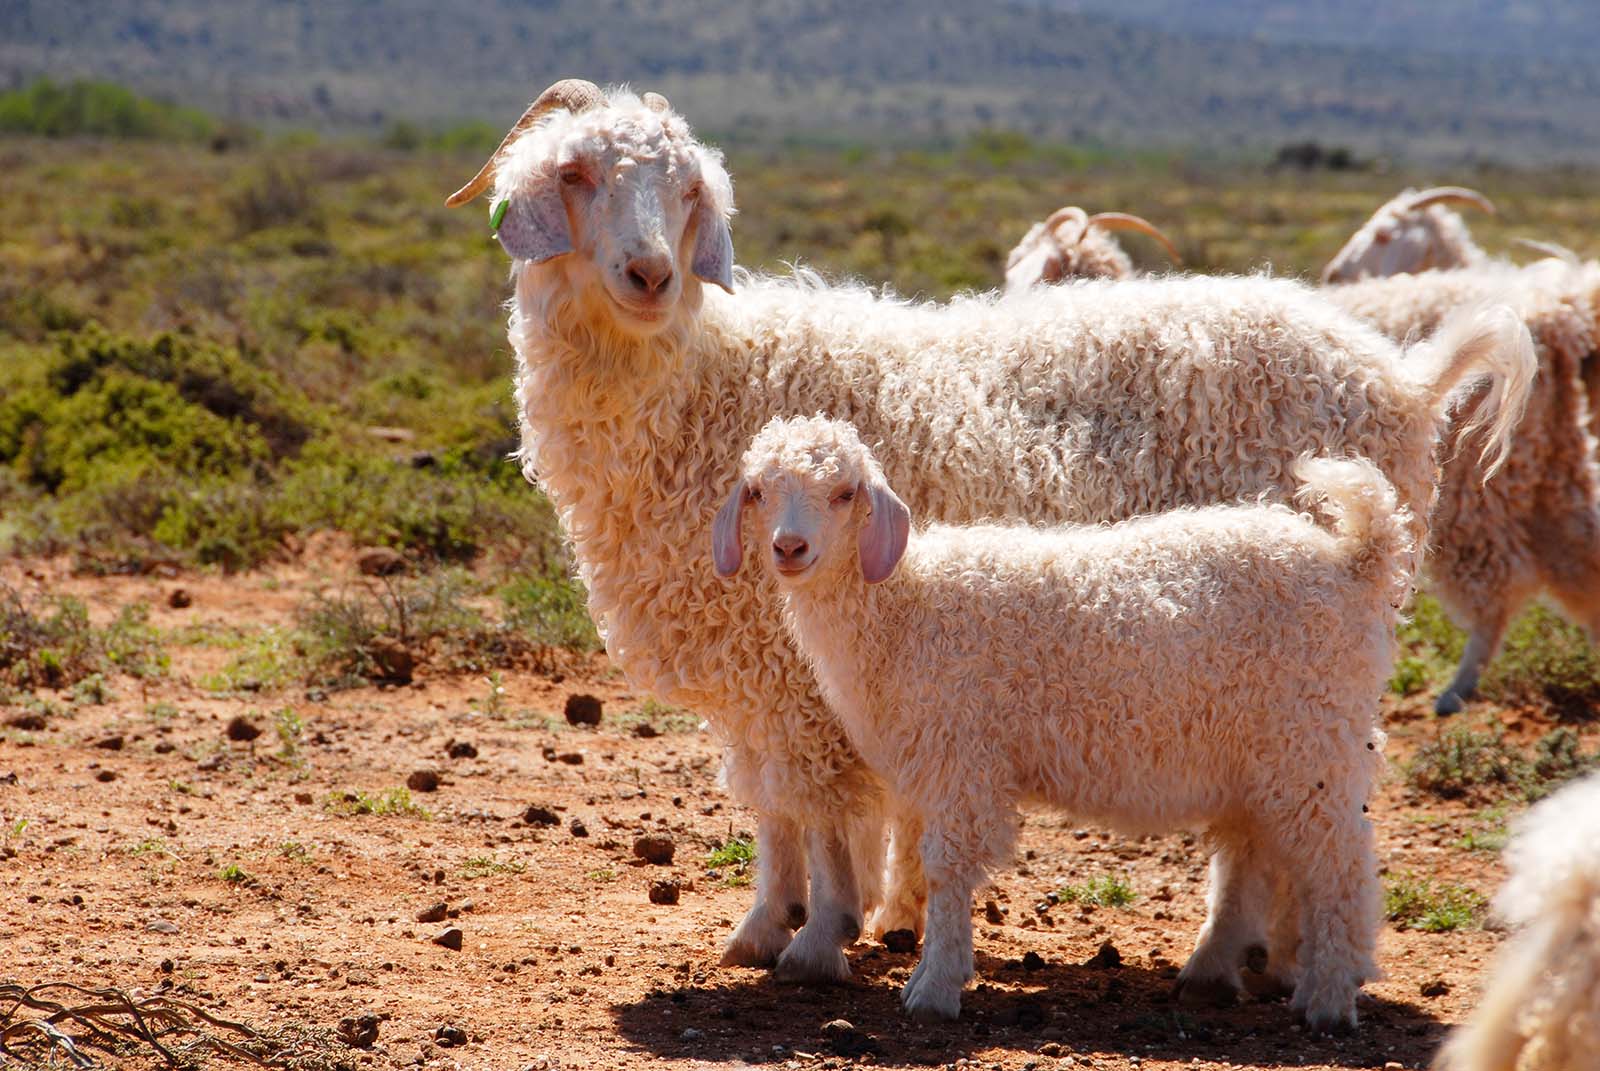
1126 1010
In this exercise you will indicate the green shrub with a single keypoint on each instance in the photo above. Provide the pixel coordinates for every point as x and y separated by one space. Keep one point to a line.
1415 903
98 109
1545 660
551 610
1462 761
56 646
1105 890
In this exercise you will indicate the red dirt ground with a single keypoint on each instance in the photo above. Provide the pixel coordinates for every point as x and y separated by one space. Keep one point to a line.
565 962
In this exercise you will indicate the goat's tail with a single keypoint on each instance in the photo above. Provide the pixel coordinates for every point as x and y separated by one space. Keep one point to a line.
1371 526
1492 341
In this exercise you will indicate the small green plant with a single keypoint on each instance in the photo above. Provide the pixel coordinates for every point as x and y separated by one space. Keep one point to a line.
182 788
1105 890
294 851
152 846
16 828
1483 840
1463 761
1416 903
391 801
1410 675
289 728
603 875
660 717
493 704
234 874
734 858
482 866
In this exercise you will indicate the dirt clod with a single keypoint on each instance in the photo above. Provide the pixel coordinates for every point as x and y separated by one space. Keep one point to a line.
583 709
423 781
359 1031
28 722
845 1040
1436 987
1106 958
992 913
900 942
105 776
461 749
394 661
242 730
433 912
1032 961
380 561
180 599
571 758
577 828
664 891
656 848
113 742
450 1036
538 814
450 937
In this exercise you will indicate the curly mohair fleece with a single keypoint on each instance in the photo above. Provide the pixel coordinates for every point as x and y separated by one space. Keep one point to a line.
1536 525
1214 668
1541 1008
1083 403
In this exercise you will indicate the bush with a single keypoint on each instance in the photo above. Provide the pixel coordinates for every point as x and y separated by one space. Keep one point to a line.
1546 661
56 646
1414 903
98 109
1462 761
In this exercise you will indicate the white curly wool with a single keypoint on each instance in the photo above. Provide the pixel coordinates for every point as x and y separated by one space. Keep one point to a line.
1214 668
1541 1008
1085 403
1534 527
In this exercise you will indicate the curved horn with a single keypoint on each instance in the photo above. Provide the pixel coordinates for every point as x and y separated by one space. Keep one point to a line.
573 94
656 102
1062 215
1122 221
1439 195
1549 249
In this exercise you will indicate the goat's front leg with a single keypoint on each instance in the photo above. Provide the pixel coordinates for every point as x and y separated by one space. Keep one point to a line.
780 905
817 952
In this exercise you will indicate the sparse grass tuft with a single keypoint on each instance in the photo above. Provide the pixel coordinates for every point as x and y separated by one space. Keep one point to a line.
1104 890
733 859
54 645
1463 761
391 801
234 874
1416 903
482 866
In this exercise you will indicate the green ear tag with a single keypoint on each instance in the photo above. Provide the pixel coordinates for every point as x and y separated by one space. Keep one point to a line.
497 215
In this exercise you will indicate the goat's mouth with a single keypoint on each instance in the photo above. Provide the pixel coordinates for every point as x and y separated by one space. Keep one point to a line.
789 570
650 315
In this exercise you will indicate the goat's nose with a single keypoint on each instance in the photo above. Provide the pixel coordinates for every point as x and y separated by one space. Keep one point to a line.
789 546
650 274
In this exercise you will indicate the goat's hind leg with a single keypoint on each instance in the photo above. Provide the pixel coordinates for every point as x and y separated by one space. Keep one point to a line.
837 900
906 898
780 905
1238 908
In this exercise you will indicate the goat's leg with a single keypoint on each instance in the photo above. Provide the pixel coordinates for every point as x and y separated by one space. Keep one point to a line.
906 899
817 952
1483 640
1238 911
780 905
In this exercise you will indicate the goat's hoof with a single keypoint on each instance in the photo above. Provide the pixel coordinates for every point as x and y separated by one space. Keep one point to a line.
897 916
1206 992
1324 1009
756 943
926 1003
1336 1022
812 963
1449 703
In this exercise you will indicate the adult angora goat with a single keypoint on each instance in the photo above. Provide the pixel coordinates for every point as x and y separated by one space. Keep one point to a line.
638 388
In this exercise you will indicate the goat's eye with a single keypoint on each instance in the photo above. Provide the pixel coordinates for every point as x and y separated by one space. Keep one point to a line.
573 175
695 191
847 495
755 494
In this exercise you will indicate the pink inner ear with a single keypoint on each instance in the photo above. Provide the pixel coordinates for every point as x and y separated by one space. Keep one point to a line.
535 225
713 247
727 534
882 540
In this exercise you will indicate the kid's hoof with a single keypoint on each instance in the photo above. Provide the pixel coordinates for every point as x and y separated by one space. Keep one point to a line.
1448 703
812 963
1206 992
923 1004
756 943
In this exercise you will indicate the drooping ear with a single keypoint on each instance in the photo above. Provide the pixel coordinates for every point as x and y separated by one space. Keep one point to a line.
534 226
882 539
713 247
727 534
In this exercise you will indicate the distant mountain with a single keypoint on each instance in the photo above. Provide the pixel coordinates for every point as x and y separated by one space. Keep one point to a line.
1529 29
1201 74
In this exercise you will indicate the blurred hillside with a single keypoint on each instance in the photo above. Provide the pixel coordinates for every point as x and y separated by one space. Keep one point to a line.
1242 76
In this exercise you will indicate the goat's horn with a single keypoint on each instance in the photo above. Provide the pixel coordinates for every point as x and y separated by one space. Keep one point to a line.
1122 221
1439 195
656 102
573 94
1062 215
1549 249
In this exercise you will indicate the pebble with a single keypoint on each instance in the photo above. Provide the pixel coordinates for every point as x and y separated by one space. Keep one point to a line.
571 758
1032 961
583 709
664 892
655 848
577 828
450 1036
104 776
423 781
691 1034
845 1040
1106 958
539 814
160 926
461 749
1437 987
180 599
110 743
449 937
992 913
433 912
242 729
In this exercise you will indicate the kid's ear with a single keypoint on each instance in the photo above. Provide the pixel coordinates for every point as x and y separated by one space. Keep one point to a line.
713 246
533 226
882 540
727 535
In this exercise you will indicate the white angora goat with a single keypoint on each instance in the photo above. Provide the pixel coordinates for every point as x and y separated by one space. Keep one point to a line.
1216 668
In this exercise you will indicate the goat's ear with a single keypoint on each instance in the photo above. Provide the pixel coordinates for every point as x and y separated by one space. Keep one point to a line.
713 246
534 225
882 539
727 534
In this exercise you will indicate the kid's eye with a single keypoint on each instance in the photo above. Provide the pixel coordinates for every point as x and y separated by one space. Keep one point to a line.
847 495
573 175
